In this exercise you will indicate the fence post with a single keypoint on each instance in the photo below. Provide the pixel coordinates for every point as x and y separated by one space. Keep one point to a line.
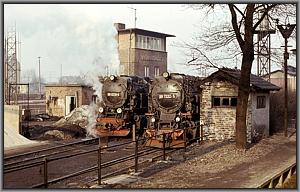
184 138
99 163
45 172
201 127
136 156
164 146
133 133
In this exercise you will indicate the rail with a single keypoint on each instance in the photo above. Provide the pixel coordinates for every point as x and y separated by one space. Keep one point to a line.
8 168
50 148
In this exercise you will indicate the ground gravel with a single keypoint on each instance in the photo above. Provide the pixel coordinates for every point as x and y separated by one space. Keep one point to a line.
208 159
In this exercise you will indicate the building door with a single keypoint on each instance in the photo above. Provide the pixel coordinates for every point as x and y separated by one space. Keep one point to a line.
70 104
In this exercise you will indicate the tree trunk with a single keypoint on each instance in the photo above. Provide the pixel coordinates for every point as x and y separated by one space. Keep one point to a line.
242 105
244 84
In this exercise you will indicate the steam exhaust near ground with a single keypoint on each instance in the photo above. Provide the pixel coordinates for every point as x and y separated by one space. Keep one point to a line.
106 63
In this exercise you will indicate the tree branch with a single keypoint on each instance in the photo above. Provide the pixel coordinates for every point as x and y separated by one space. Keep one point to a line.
243 14
264 14
235 26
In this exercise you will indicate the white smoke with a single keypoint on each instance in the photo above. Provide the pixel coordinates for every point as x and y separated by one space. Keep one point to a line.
92 116
105 62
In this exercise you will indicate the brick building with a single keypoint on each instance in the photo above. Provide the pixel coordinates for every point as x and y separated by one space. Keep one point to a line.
62 99
219 101
277 109
277 78
141 52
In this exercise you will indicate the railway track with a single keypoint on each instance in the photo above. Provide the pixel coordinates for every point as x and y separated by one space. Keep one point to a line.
73 162
32 156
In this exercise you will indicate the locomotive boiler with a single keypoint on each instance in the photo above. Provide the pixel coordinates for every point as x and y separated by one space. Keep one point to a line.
174 110
124 103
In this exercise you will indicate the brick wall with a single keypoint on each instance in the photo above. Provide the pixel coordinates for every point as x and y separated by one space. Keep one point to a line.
151 59
57 107
123 45
139 58
87 94
220 121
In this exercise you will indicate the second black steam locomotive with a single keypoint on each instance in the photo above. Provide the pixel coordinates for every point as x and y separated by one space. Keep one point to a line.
174 110
124 103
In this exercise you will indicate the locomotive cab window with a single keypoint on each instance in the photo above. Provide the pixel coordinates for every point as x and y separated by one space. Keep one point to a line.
224 101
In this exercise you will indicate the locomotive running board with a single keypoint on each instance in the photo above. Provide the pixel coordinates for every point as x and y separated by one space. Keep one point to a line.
113 133
159 144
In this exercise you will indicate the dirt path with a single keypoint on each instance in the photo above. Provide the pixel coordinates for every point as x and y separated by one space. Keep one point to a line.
220 166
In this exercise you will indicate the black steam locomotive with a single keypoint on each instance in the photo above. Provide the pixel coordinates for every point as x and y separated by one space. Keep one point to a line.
174 110
124 103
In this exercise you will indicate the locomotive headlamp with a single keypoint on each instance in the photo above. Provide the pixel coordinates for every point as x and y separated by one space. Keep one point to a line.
112 77
153 119
177 119
166 75
101 109
119 110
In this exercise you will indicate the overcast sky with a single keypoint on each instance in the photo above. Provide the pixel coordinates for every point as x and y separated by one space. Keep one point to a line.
81 37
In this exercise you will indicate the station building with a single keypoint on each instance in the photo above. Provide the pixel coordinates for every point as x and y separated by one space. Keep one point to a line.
277 98
277 78
141 52
219 102
61 99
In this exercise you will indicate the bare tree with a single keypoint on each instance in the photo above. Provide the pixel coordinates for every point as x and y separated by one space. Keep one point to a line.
237 38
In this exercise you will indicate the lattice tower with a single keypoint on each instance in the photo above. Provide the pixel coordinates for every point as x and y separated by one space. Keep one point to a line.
264 47
11 66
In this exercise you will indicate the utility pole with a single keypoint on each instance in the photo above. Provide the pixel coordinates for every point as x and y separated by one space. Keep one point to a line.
60 73
130 38
286 33
135 18
39 75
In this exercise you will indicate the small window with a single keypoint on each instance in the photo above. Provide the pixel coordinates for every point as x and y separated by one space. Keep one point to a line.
261 102
148 42
94 98
224 101
156 71
54 99
216 101
146 71
233 102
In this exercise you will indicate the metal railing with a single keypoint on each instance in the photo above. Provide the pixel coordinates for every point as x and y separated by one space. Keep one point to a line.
100 165
277 180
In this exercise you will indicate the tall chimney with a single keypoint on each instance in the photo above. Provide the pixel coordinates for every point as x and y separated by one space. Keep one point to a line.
119 26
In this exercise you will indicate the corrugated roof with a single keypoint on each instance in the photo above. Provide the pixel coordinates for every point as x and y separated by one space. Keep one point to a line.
233 75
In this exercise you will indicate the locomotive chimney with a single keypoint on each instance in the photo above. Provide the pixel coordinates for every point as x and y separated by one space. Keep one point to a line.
119 26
